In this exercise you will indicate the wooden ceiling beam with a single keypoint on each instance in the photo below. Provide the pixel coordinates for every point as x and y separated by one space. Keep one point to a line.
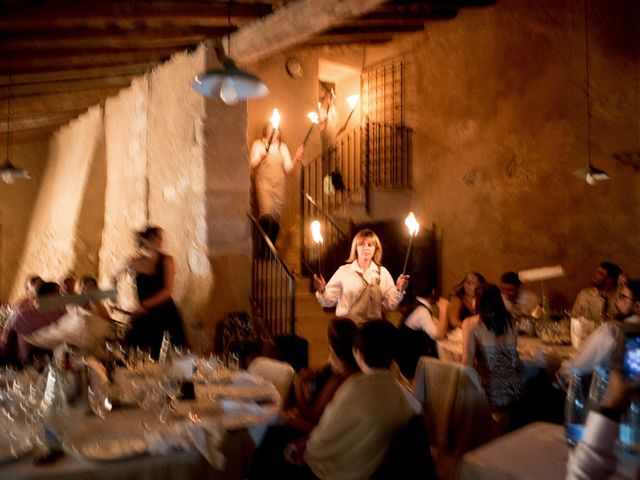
42 104
362 39
50 59
41 134
63 73
60 86
359 30
92 39
30 122
127 14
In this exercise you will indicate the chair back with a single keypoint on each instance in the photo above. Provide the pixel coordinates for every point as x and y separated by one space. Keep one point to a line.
409 454
456 409
279 373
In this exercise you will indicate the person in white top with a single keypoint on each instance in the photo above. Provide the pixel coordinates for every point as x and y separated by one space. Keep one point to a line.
594 457
361 288
598 348
517 300
269 169
421 327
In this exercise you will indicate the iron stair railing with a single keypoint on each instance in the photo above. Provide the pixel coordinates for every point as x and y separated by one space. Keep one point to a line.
335 244
272 285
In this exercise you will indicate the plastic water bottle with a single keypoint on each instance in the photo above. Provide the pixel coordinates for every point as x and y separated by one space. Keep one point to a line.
54 410
575 409
630 427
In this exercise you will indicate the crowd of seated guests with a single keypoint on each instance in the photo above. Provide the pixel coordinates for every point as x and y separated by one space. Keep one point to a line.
44 320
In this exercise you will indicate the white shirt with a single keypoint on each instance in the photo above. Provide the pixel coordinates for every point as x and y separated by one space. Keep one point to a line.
525 303
345 286
422 319
594 458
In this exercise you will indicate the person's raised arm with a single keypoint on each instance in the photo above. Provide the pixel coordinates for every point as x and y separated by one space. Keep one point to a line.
468 343
257 155
328 293
453 312
288 164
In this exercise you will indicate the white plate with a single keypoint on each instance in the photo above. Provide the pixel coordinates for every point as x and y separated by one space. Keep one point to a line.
109 446
13 445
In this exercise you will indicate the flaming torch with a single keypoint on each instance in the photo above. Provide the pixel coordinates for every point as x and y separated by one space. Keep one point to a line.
313 116
318 240
413 227
352 100
275 123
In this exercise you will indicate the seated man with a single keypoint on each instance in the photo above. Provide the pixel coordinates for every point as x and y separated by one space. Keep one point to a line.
356 428
26 321
598 348
517 300
597 302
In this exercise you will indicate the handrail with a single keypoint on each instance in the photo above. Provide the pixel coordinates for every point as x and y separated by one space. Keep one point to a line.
272 285
325 214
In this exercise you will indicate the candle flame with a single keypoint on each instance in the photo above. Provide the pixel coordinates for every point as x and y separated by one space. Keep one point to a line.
315 232
313 116
412 224
352 100
275 118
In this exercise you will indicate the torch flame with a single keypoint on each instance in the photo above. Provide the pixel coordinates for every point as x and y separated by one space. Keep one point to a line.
275 118
352 100
412 224
315 232
313 116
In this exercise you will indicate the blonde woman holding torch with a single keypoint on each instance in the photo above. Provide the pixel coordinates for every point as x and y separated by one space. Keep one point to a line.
362 287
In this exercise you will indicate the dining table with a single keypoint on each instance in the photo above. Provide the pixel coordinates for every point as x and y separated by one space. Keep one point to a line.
535 354
210 436
537 451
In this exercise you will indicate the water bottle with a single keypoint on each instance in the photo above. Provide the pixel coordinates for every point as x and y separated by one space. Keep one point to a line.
575 410
54 409
630 427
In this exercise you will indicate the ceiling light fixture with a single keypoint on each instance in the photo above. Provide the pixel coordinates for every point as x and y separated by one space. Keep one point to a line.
591 174
228 83
8 172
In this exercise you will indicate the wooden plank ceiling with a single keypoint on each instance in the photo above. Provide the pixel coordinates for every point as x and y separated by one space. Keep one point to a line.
59 57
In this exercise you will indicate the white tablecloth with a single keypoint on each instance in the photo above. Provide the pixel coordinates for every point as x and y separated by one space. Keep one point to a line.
245 427
532 351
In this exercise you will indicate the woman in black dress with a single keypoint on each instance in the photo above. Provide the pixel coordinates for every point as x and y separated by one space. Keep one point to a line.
154 274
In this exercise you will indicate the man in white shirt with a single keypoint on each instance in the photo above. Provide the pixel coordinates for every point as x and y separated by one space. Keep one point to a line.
597 302
598 348
517 300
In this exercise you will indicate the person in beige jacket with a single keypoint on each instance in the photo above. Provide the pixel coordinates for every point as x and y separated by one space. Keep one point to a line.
356 428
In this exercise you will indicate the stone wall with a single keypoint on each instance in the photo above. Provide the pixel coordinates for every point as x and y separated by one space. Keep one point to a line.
159 154
16 206
497 103
52 247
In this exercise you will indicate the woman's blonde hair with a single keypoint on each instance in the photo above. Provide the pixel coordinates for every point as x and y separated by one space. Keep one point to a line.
360 237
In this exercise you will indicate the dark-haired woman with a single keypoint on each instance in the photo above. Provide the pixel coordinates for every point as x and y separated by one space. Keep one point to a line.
154 273
269 169
463 298
489 345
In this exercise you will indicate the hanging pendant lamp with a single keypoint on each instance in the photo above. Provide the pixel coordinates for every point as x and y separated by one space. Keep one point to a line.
229 83
591 174
8 172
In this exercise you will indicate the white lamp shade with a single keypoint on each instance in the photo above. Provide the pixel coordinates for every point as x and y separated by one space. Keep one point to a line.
9 173
229 84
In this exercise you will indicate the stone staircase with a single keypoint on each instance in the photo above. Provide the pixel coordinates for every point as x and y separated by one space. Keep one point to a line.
312 322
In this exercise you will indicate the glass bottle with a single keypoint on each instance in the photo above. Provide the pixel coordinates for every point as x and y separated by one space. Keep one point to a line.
54 409
575 409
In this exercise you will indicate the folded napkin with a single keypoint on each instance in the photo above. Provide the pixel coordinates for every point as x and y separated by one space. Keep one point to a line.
206 436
